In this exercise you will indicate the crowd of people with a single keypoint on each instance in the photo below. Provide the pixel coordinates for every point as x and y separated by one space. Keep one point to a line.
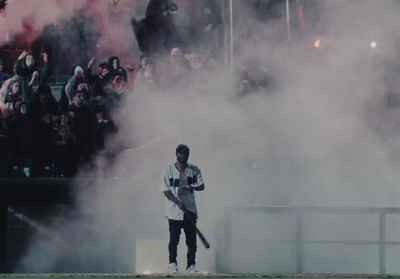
43 133
43 136
46 133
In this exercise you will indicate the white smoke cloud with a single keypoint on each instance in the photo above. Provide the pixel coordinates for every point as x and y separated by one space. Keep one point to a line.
307 142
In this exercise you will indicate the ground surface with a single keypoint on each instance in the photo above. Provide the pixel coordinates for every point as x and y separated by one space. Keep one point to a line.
184 276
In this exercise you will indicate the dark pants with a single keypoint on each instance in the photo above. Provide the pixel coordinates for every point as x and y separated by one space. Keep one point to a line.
189 227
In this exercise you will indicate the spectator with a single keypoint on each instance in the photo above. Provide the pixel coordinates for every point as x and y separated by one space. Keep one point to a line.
115 95
43 136
43 103
180 66
244 88
10 94
156 33
84 123
25 67
97 82
96 104
204 26
77 77
115 68
147 73
20 139
65 153
3 76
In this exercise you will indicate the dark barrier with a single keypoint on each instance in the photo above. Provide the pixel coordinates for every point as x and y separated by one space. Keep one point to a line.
37 196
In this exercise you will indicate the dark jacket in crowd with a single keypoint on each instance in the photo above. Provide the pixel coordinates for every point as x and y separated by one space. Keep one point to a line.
21 69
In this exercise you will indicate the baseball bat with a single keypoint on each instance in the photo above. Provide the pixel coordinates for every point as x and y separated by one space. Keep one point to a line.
201 236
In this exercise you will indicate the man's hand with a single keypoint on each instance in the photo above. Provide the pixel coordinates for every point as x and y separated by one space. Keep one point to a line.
188 188
45 57
35 74
129 67
105 72
22 55
91 62
181 206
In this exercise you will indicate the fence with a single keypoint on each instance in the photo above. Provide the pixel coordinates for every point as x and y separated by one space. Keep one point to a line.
309 240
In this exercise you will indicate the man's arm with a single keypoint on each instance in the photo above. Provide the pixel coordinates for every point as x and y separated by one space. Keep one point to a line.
199 182
200 187
174 199
48 67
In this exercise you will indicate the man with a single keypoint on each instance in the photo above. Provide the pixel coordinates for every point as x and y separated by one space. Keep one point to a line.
181 179
25 67
83 125
156 33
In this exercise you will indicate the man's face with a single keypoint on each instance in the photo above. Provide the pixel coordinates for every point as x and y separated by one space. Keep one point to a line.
15 88
44 98
78 71
30 61
64 119
176 54
182 157
1 67
78 98
115 64
118 80
83 87
47 118
24 108
149 67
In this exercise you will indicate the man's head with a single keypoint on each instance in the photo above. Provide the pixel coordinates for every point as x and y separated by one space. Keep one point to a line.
15 87
84 88
44 92
29 61
176 53
182 153
113 62
78 97
1 65
244 86
22 107
148 65
118 80
78 70
63 131
102 67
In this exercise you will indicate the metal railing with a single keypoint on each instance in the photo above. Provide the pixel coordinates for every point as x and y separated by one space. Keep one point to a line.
300 241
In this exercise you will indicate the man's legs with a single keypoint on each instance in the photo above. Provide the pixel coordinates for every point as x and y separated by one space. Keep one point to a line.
189 227
174 233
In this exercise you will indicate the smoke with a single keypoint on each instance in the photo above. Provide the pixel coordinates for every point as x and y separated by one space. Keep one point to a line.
80 29
31 16
314 139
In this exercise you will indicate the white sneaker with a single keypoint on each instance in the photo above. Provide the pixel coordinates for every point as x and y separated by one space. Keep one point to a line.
173 268
192 269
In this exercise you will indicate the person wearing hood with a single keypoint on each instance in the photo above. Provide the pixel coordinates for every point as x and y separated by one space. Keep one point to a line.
114 67
20 138
31 76
43 103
